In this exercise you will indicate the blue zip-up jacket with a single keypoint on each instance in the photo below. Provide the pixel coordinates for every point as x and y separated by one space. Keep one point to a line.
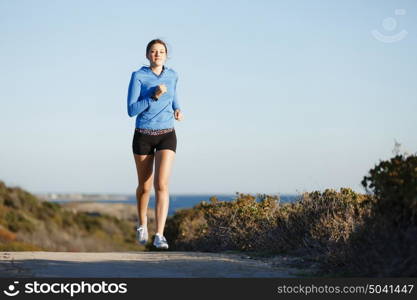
152 114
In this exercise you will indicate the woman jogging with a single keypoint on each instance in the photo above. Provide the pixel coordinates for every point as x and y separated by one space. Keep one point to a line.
152 98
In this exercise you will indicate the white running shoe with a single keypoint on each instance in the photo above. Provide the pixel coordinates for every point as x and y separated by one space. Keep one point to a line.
160 242
142 234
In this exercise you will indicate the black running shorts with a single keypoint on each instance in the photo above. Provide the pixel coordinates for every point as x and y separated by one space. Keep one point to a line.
146 143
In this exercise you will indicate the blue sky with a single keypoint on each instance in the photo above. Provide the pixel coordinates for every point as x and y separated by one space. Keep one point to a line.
278 96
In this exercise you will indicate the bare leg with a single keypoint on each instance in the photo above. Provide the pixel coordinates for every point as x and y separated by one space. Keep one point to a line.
163 165
144 167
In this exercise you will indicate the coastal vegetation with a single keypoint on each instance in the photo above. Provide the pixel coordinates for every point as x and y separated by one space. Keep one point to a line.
29 224
344 232
347 233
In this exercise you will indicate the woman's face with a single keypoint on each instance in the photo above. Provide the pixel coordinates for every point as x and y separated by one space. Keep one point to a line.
157 55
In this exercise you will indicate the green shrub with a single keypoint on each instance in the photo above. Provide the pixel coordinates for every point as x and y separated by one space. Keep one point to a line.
16 221
394 183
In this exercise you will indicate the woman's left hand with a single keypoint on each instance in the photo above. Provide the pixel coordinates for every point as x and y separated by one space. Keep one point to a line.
178 115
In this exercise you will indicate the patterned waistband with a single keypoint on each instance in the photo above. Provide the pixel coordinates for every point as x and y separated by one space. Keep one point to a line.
154 131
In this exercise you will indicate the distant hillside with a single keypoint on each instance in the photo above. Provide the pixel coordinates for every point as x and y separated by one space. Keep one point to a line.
27 223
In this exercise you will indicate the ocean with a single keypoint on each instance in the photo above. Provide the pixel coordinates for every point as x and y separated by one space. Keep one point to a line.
178 201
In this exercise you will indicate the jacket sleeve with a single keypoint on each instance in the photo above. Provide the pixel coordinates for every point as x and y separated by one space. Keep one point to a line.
175 104
135 105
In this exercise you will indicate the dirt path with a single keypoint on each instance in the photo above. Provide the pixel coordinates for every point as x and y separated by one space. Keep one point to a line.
142 264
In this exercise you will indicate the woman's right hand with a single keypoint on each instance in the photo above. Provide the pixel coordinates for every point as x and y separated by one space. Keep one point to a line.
160 90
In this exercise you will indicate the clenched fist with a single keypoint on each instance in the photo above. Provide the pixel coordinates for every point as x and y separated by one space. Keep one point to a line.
160 90
178 115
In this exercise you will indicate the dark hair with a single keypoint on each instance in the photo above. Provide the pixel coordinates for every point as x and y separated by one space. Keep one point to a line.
156 41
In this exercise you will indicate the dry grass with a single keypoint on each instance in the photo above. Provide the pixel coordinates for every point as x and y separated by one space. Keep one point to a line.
337 229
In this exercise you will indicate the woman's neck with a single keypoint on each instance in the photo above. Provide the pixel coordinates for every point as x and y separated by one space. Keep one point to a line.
156 69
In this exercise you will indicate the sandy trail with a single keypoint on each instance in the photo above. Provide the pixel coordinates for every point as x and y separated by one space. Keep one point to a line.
165 264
